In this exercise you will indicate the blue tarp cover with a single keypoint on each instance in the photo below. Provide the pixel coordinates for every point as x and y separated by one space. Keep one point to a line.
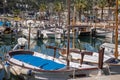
39 62
6 23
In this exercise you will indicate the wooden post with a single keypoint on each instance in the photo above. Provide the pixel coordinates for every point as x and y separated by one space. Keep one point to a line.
116 33
54 52
82 57
73 24
29 35
53 47
101 55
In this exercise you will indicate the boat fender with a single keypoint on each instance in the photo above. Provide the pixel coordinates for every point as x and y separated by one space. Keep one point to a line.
29 73
7 70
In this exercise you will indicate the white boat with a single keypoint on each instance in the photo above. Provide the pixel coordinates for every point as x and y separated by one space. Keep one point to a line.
34 33
52 33
91 57
48 34
110 48
25 32
45 67
102 33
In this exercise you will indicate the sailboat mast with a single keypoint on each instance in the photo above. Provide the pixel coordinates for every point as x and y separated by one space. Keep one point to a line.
116 32
68 38
73 24
29 35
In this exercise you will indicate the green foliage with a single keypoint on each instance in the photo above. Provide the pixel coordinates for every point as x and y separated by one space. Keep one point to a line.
80 4
16 12
58 6
102 3
43 7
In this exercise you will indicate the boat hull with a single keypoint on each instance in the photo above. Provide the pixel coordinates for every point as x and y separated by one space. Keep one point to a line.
16 70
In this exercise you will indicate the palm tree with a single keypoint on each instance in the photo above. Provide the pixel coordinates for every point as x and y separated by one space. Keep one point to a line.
16 12
80 5
110 4
42 8
58 7
89 7
102 4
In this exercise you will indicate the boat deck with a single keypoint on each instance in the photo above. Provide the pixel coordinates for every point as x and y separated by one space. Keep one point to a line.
39 62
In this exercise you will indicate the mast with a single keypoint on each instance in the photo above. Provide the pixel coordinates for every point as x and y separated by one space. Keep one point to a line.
73 24
116 33
68 38
29 35
4 6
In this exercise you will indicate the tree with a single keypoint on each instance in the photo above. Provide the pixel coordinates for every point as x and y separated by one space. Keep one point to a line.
42 9
111 3
102 4
58 7
80 5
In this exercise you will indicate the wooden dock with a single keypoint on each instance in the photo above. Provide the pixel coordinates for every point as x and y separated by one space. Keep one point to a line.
112 72
110 77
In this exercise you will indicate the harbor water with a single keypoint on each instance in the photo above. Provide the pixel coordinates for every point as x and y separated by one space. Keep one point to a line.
85 42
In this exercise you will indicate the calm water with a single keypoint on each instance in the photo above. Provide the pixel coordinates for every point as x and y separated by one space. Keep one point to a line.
91 44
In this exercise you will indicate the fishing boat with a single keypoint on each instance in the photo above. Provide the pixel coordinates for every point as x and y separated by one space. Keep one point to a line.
50 33
110 48
98 32
77 54
91 57
44 66
34 33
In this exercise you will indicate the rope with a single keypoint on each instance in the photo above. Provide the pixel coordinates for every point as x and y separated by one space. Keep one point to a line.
74 73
